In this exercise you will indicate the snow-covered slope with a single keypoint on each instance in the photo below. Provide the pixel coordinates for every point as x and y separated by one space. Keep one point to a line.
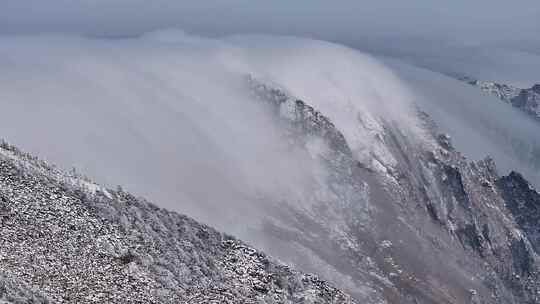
64 242
319 155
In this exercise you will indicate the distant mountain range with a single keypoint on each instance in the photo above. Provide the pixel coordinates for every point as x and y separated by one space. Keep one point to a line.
527 100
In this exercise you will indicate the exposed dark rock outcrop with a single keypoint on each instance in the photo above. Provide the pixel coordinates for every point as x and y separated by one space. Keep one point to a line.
523 201
433 228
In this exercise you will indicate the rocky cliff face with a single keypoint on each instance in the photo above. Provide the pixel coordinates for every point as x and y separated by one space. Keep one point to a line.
64 239
430 227
527 100
523 202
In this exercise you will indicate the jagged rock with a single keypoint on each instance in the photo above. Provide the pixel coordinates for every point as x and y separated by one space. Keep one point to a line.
306 120
524 203
447 219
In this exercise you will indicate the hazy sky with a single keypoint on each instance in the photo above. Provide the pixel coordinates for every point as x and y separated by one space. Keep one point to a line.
346 20
445 36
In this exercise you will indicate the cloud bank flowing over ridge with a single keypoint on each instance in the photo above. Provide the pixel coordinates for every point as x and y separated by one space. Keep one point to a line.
183 120
170 116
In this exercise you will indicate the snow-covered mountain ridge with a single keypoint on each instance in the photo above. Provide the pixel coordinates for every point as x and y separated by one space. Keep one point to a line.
63 241
527 100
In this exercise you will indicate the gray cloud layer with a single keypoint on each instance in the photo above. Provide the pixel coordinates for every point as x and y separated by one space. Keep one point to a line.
347 20
446 36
